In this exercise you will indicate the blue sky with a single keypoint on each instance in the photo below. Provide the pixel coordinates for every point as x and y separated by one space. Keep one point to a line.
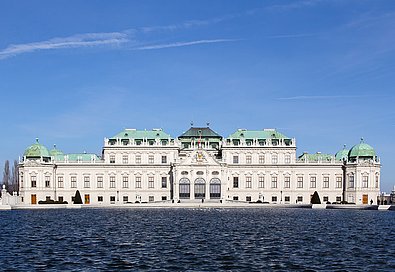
74 72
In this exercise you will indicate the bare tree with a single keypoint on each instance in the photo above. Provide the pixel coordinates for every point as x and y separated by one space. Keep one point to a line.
6 175
15 177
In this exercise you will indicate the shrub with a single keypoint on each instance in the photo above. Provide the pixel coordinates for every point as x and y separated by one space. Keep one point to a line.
77 198
315 199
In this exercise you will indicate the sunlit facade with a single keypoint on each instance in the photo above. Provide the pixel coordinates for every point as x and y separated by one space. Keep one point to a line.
138 166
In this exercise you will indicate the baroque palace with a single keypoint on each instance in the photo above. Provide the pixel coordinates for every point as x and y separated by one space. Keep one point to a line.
138 166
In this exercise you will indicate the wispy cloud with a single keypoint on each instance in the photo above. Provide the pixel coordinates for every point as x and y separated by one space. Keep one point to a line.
323 97
180 44
287 36
295 5
80 40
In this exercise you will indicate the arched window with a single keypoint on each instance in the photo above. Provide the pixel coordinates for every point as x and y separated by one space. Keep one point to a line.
215 188
185 188
200 188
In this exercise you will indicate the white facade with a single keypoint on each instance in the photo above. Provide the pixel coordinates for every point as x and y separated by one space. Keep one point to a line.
150 166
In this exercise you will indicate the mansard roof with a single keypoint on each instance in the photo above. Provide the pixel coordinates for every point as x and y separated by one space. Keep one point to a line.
142 134
204 132
258 134
75 157
316 157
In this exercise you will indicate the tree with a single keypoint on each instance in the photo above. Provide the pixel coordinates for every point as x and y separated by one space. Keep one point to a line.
315 199
15 176
77 198
6 175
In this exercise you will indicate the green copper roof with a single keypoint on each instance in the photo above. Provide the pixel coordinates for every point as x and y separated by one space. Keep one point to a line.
342 154
197 132
258 134
77 157
316 157
36 150
55 152
142 134
362 150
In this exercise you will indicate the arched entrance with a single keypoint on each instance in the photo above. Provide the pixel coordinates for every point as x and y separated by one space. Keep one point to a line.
185 188
215 188
200 188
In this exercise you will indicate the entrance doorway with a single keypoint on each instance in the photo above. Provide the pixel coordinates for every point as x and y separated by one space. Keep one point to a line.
215 188
200 188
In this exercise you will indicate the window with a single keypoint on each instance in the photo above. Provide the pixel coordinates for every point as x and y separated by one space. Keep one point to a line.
287 159
112 158
73 182
138 159
86 182
313 182
151 159
100 182
377 181
326 182
164 198
164 159
125 199
33 180
338 199
235 198
261 159
351 181
125 159
235 182
138 182
150 182
248 198
300 199
235 159
248 182
338 182
47 181
112 182
274 182
287 198
164 182
274 198
60 182
151 198
300 182
274 159
325 198
287 182
261 182
248 159
365 180
125 182
100 199
112 199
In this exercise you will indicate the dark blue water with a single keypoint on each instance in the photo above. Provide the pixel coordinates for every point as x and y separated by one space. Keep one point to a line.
197 240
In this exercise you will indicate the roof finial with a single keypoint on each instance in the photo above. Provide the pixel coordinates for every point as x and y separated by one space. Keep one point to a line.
208 124
191 123
361 140
37 140
344 146
54 146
